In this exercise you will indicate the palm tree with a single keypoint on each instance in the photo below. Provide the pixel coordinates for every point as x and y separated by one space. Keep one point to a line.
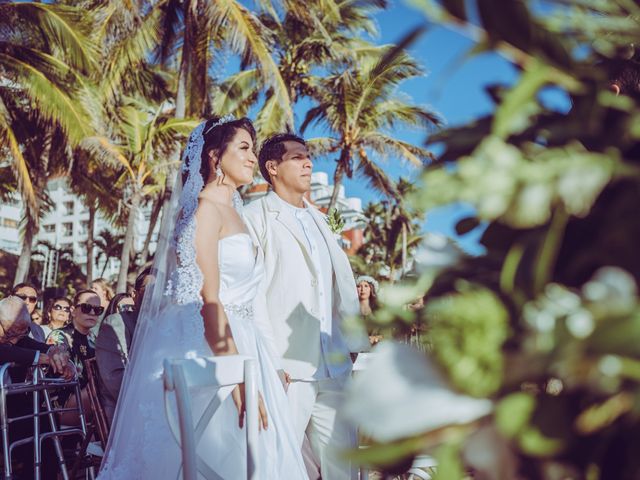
108 246
142 137
359 106
391 235
45 56
187 36
316 34
96 184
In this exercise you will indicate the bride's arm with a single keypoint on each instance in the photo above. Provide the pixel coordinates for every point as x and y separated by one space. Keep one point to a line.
216 325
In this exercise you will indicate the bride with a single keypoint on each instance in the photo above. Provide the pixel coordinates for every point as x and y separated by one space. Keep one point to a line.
207 275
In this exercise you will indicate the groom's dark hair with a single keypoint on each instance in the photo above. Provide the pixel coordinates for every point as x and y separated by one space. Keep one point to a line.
273 148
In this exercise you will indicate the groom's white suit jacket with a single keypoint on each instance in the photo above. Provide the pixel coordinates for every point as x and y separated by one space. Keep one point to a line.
288 311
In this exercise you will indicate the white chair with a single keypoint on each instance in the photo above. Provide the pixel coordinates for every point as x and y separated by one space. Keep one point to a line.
215 372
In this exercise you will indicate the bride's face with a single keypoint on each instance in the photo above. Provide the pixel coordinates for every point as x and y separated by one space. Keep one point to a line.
239 160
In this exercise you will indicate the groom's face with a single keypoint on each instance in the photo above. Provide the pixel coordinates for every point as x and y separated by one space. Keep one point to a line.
293 172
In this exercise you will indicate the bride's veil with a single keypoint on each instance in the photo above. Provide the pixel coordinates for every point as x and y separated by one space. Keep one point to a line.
177 283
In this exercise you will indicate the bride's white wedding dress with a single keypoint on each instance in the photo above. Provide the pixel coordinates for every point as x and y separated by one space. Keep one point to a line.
142 446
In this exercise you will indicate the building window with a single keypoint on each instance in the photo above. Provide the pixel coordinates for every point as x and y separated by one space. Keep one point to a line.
84 227
50 228
67 229
9 223
68 207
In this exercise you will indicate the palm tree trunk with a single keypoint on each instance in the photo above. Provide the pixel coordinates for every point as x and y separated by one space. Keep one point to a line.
104 267
90 233
155 214
24 262
33 216
337 181
127 246
404 248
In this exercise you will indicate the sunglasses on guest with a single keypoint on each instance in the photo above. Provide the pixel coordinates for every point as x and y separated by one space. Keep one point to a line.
28 298
61 307
87 308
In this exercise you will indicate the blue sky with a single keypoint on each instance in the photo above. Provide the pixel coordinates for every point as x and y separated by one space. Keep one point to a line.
454 87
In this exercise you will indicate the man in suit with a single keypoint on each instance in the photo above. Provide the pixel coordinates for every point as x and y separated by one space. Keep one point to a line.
309 290
18 348
113 345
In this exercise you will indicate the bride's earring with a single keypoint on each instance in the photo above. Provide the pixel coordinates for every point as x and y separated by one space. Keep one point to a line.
218 172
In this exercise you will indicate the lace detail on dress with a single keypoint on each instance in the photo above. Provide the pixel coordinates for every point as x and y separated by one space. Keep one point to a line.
242 310
238 203
185 283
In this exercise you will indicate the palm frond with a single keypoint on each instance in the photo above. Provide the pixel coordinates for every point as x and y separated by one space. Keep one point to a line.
245 35
67 28
128 53
390 146
321 146
237 93
20 166
376 177
53 102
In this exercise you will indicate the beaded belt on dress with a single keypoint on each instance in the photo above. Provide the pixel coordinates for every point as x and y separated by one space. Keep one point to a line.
242 310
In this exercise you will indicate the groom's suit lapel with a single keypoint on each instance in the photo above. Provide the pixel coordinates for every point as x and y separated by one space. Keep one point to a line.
338 257
282 215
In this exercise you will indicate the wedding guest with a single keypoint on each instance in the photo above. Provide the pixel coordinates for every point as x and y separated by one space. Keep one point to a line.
368 296
29 295
121 302
18 348
57 314
77 338
37 317
104 291
113 343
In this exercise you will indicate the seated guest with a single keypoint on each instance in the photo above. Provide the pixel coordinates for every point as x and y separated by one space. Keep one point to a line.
16 347
76 337
114 344
29 294
57 314
121 302
36 317
105 292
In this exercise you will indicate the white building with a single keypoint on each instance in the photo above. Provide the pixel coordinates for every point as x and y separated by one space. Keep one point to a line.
65 225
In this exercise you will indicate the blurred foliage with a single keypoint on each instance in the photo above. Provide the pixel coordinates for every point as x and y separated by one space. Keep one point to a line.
546 323
466 332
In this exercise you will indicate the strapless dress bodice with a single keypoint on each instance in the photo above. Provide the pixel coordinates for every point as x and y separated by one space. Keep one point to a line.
241 269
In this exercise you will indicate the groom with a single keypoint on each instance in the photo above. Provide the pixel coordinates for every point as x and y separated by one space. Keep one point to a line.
309 290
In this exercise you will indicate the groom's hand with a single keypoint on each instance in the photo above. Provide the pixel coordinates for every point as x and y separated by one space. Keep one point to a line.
285 378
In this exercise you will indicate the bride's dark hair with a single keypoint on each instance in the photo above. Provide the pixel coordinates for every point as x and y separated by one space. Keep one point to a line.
217 139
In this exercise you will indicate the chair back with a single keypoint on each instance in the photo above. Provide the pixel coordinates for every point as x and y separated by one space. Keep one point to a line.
215 372
93 389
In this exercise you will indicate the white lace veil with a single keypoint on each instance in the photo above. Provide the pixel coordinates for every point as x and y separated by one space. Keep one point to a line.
178 280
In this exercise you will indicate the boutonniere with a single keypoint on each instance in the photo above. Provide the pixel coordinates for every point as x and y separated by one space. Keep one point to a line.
335 221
